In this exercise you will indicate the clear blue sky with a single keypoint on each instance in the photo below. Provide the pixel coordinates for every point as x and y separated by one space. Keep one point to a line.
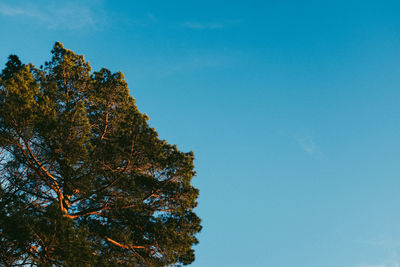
291 107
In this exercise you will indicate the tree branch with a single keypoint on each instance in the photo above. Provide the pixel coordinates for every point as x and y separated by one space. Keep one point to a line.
88 212
38 164
122 245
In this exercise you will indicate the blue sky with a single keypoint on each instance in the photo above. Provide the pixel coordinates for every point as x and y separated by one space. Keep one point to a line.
291 107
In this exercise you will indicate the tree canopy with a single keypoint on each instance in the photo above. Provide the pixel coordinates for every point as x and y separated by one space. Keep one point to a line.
84 180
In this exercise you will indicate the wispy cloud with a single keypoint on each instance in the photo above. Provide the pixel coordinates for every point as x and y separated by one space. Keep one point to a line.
209 25
371 265
384 264
182 65
389 244
307 144
152 17
55 14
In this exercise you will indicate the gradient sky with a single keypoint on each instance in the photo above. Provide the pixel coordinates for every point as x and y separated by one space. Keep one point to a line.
291 107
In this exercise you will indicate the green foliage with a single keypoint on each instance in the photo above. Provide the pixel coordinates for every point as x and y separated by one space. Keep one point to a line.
84 180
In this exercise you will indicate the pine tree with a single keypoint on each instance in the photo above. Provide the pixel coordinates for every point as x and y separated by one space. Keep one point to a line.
84 180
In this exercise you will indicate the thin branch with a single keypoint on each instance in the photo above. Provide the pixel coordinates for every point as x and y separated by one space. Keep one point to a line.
122 245
39 165
88 212
105 127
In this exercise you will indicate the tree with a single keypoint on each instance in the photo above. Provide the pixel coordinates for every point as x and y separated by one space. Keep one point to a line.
84 180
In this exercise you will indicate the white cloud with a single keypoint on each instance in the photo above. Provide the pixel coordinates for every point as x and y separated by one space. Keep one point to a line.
307 144
152 17
390 244
56 14
209 25
198 25
384 264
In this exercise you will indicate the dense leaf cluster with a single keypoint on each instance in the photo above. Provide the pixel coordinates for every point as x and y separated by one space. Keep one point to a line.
84 180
